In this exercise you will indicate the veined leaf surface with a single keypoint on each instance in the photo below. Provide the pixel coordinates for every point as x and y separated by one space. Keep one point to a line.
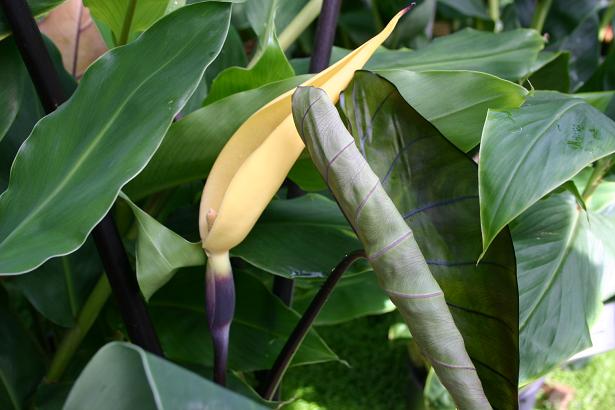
70 170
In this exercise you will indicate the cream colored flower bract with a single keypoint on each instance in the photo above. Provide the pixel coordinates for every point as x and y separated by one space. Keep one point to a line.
253 164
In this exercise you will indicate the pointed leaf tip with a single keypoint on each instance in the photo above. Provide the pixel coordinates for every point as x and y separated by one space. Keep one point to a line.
407 9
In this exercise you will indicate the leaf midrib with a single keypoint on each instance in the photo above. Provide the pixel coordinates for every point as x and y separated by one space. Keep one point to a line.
503 192
567 248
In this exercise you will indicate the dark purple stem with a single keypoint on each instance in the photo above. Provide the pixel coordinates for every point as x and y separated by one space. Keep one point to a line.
305 324
115 261
220 308
325 35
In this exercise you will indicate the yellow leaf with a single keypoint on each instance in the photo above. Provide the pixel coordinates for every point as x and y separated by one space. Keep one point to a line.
254 163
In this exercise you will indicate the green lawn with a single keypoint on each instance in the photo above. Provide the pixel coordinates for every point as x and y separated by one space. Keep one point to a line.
379 375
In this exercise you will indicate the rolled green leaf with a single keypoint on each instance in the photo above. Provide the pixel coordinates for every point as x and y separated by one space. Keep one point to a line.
389 243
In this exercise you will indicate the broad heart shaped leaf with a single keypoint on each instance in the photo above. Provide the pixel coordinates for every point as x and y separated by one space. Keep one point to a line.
508 55
290 232
261 325
11 84
130 18
434 186
69 171
21 361
456 102
38 8
160 252
130 378
59 288
353 297
560 264
527 152
192 144
390 245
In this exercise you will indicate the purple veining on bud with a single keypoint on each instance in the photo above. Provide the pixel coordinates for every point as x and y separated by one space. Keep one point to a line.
220 307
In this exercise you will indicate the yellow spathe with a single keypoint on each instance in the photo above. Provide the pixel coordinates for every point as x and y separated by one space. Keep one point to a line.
254 162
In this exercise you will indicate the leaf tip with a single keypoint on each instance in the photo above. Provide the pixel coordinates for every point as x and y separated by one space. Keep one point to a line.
408 8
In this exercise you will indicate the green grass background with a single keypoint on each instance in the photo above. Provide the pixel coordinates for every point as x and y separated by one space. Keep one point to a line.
378 375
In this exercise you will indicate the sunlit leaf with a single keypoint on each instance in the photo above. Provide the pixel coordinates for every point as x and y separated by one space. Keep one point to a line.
79 155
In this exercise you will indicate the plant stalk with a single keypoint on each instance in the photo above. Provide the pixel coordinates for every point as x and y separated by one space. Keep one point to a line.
305 324
298 25
601 167
71 341
540 14
130 14
325 35
220 308
108 242
494 13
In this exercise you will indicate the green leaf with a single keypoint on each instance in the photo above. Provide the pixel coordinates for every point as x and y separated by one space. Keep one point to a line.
129 377
584 48
277 243
128 18
353 297
435 187
21 361
551 72
191 146
560 263
510 55
435 395
261 325
38 8
470 8
71 168
270 65
456 102
527 152
389 243
160 252
11 84
258 13
59 288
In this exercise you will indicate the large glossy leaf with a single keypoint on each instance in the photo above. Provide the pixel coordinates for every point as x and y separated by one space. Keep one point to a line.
258 11
160 252
11 84
130 378
21 360
79 155
604 77
59 288
527 152
456 102
509 55
390 245
261 325
128 18
435 188
291 232
353 297
270 65
38 8
560 263
191 146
